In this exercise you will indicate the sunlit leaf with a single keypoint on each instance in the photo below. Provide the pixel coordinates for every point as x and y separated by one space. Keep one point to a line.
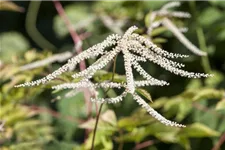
159 40
198 130
217 78
194 84
208 94
110 117
145 93
184 108
102 125
158 31
221 105
158 103
135 135
101 141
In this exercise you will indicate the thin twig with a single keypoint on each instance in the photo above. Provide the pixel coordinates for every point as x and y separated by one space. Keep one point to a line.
100 109
62 14
144 145
96 125
220 142
121 142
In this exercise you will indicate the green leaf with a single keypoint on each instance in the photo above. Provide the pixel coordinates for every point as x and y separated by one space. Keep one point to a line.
221 35
154 5
104 75
194 84
159 40
102 125
221 105
90 124
158 103
172 106
218 3
110 117
157 127
102 141
73 107
185 142
158 31
184 108
208 94
208 117
63 145
218 77
144 93
137 119
135 135
167 137
198 130
26 124
107 143
214 14
12 43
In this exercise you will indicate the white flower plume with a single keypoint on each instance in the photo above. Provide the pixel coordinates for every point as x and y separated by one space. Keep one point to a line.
135 49
165 14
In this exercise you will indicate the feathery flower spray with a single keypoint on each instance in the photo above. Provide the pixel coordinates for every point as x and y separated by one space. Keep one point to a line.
135 49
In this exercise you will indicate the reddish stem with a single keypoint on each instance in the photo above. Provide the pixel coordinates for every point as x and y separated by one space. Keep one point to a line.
220 142
78 42
144 144
76 39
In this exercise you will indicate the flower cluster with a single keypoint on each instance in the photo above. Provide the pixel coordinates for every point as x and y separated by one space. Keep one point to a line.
134 49
163 16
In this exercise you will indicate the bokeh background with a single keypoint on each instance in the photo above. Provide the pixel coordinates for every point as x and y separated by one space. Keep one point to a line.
32 31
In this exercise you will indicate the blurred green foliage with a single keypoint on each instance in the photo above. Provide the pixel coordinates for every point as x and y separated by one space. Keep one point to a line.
33 122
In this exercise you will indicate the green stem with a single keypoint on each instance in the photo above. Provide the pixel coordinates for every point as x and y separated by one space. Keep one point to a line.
100 109
201 39
30 24
121 142
96 125
203 46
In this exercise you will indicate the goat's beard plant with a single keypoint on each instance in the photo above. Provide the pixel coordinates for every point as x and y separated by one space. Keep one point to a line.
135 49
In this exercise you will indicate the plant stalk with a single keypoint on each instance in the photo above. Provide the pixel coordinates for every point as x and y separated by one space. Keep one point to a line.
201 39
100 109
